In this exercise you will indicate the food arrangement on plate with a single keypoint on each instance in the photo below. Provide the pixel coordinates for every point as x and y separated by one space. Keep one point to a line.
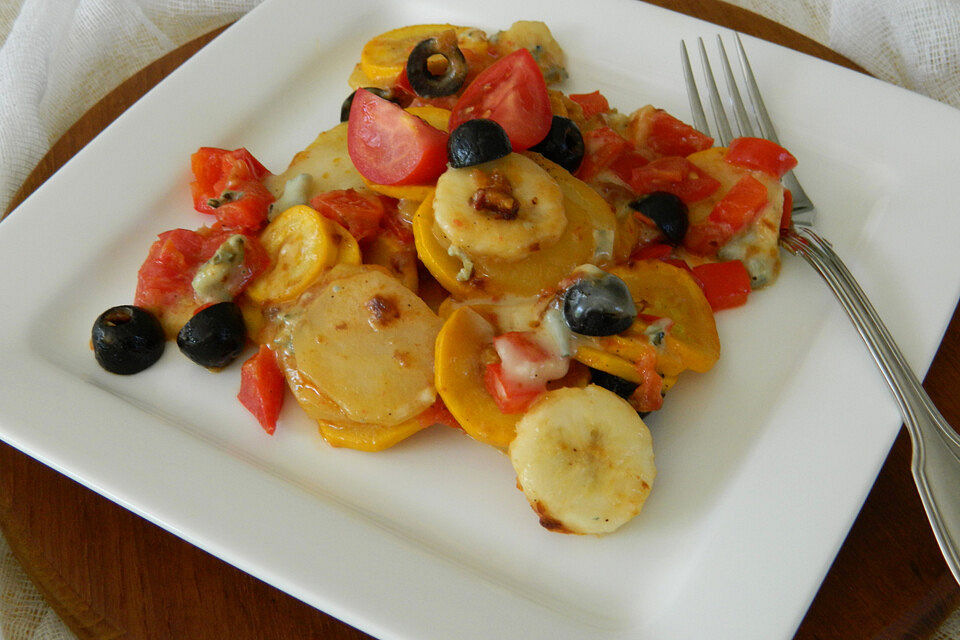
473 248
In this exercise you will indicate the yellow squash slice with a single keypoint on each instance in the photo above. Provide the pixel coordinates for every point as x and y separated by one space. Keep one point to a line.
301 244
459 378
586 213
385 56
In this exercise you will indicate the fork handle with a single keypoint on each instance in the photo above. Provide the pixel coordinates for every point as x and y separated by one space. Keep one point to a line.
936 446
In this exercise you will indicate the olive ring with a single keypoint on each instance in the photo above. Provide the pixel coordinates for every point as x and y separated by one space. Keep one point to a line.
425 83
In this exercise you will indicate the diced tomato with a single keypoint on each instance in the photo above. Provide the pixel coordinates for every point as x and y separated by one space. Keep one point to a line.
677 262
394 223
525 361
706 238
262 388
760 154
602 146
674 175
652 252
437 413
648 395
390 146
361 216
668 136
626 163
165 279
591 103
227 184
725 284
513 93
786 218
741 205
510 396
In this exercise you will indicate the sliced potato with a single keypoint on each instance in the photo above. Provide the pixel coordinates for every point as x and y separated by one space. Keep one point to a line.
327 162
584 460
301 244
586 212
459 378
399 258
535 37
366 342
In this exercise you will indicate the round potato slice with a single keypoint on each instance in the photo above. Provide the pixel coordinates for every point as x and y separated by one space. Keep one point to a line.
586 214
460 369
301 244
366 342
584 460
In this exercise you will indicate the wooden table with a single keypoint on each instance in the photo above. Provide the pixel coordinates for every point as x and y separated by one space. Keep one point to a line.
111 574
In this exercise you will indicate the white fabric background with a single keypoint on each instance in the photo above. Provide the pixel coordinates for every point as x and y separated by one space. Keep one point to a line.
59 57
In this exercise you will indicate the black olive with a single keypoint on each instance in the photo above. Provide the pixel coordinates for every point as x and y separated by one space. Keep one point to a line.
620 386
563 144
386 94
214 336
598 306
475 142
127 339
668 212
424 83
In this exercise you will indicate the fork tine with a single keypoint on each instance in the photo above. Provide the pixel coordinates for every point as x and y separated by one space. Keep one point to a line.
743 120
766 124
696 107
723 125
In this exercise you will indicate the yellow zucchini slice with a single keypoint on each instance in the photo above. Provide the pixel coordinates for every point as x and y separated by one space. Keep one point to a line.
385 56
301 244
586 212
459 378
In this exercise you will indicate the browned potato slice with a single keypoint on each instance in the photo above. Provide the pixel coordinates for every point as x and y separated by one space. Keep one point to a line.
366 342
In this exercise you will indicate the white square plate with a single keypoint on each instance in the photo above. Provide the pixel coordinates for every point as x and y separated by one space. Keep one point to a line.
763 462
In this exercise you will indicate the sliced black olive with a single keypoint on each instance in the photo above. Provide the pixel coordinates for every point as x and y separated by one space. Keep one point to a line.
668 212
423 81
598 305
475 142
386 94
563 144
620 386
127 339
214 336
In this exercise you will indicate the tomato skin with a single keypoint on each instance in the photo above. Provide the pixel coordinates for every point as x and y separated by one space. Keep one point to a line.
591 103
674 175
512 93
361 216
741 205
759 154
648 395
262 388
602 147
668 136
724 284
390 146
509 396
438 413
216 171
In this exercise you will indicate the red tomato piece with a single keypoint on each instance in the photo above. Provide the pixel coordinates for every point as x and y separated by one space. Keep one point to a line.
591 103
674 175
648 395
509 396
705 238
725 284
668 136
741 205
626 163
512 93
360 215
227 185
786 218
438 413
602 146
652 252
760 154
390 146
262 388
248 213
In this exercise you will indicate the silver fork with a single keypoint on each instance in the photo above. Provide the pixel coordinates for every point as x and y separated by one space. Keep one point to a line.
936 446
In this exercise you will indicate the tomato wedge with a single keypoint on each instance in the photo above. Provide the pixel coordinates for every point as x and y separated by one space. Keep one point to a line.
262 388
512 93
760 154
390 146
